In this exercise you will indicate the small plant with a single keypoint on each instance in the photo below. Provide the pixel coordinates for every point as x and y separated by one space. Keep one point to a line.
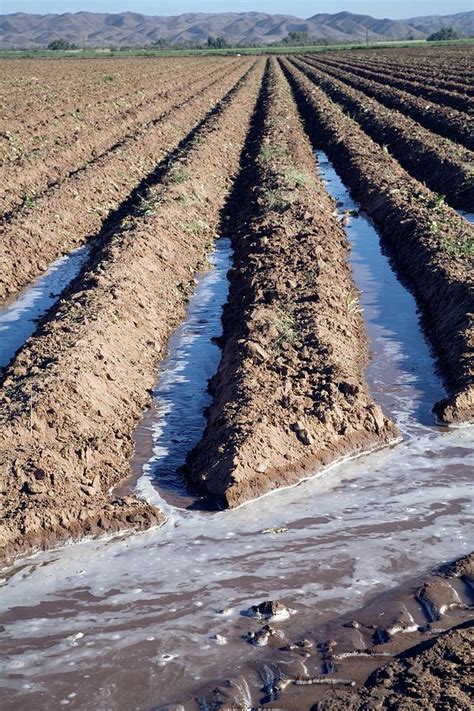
296 178
109 78
268 151
286 326
29 201
463 246
279 199
148 205
176 176
435 202
352 303
196 227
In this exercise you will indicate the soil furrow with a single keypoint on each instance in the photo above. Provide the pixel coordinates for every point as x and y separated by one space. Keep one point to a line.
459 102
407 71
430 244
52 93
444 166
73 395
449 123
289 394
62 156
70 213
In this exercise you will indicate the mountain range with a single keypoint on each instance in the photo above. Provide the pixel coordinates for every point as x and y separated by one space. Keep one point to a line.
27 31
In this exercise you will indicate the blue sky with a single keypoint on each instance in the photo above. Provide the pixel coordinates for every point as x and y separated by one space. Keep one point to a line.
300 8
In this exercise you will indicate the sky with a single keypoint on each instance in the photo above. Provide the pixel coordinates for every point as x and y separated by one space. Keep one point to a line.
299 8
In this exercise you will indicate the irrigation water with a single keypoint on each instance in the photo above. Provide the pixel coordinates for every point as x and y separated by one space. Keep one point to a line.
19 316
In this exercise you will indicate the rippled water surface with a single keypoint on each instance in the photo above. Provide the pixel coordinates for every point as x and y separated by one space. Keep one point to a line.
127 623
19 317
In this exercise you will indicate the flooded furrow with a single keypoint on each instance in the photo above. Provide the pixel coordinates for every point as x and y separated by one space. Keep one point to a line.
145 620
19 316
401 373
176 421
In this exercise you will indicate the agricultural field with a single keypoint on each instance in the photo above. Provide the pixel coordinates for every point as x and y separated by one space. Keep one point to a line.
237 373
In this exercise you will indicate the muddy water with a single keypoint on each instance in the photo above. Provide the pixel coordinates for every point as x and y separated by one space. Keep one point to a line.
126 623
19 316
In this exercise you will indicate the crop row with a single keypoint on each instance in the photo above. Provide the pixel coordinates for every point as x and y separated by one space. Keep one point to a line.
447 122
407 66
412 71
233 154
429 242
68 144
72 396
290 393
443 165
450 99
67 214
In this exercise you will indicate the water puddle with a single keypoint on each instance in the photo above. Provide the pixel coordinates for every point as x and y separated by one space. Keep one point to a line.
469 216
136 622
19 317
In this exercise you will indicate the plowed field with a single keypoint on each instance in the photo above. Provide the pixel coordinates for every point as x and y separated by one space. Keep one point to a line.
144 164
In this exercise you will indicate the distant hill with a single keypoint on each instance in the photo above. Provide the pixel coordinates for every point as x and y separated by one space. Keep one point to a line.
24 31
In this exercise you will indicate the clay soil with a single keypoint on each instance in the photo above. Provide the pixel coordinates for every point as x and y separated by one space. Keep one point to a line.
290 393
428 241
49 149
448 122
72 396
409 648
78 208
451 99
443 165
229 151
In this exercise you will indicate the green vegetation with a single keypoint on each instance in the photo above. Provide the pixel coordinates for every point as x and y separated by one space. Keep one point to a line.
462 246
148 205
267 152
296 178
162 49
196 227
61 45
216 43
352 303
279 199
285 324
445 33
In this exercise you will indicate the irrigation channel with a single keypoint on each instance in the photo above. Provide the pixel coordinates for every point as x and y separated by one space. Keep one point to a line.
20 316
136 622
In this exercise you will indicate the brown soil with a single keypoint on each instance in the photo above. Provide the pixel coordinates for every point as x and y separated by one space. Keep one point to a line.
61 147
73 395
412 70
429 242
443 165
447 122
388 654
436 677
450 99
70 213
289 395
